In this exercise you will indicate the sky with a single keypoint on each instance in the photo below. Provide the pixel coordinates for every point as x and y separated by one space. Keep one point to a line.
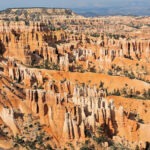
73 3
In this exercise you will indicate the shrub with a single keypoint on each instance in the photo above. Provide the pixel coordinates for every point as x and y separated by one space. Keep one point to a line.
87 146
101 85
116 92
16 18
88 133
100 139
110 72
131 76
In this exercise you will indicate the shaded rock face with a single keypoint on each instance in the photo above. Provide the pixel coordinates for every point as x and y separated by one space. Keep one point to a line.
2 48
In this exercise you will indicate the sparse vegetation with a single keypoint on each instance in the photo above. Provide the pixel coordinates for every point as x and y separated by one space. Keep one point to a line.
32 138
